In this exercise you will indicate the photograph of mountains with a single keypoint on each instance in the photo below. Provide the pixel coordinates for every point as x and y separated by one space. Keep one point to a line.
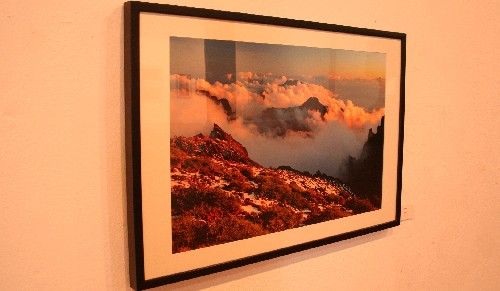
267 137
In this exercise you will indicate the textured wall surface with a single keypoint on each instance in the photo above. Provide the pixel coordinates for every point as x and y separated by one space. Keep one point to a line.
62 201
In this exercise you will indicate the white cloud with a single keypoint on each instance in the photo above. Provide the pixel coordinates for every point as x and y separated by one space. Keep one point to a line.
342 131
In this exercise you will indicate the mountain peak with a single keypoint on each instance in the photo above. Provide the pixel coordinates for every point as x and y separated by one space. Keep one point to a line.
278 121
218 144
218 133
313 103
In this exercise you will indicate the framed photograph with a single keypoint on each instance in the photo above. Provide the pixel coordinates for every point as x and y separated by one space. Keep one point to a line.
250 137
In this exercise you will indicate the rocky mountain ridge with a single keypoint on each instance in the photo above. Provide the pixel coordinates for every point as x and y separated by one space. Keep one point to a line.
219 194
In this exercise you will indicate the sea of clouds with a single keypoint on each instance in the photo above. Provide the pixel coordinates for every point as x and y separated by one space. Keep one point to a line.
332 138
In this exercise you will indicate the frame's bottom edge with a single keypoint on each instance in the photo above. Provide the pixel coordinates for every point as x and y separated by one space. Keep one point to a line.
212 269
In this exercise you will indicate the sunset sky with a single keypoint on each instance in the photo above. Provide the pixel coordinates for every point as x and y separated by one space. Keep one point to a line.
351 74
187 57
305 61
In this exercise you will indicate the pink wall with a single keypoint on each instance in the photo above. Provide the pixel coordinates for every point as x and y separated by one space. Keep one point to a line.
62 216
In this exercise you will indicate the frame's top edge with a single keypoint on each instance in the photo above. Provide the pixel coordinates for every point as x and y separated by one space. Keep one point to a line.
138 6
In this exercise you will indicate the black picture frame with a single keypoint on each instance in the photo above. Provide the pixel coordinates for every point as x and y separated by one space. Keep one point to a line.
132 49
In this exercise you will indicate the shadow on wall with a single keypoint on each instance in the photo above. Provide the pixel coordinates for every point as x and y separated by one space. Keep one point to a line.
113 154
